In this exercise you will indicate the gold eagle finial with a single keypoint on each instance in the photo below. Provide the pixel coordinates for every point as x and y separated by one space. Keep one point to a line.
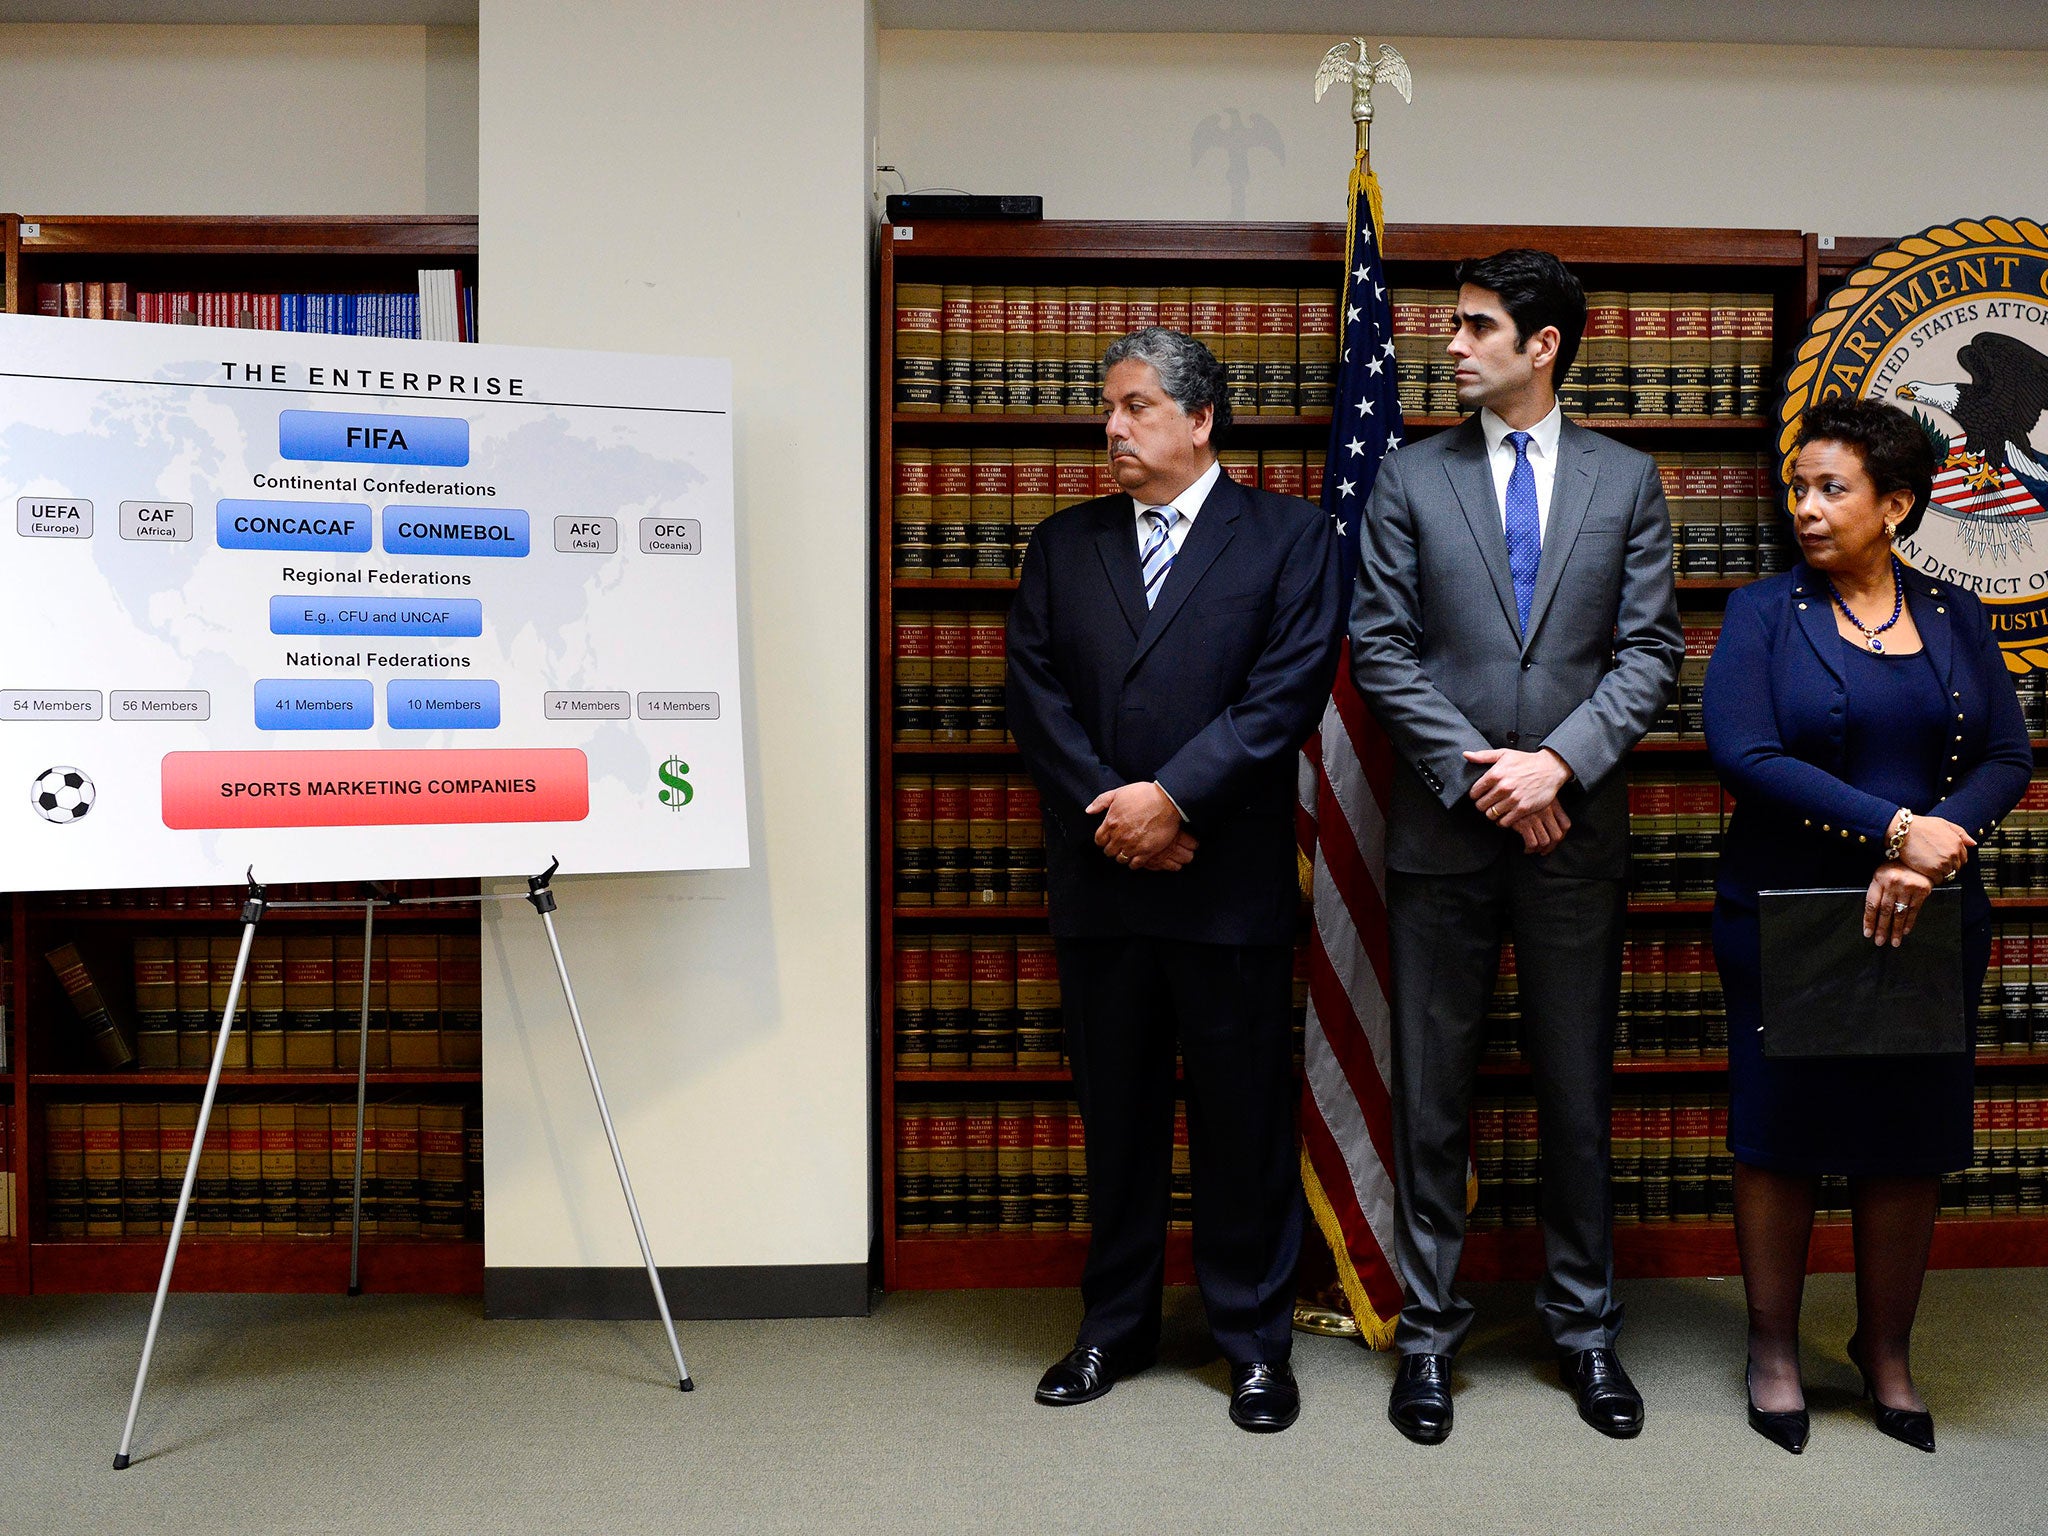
1362 74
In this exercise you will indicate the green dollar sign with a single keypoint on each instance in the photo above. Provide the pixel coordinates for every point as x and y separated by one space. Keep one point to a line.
678 794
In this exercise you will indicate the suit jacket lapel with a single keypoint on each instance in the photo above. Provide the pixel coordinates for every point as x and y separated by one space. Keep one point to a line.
1813 606
1117 543
1928 604
1212 532
1472 482
1571 493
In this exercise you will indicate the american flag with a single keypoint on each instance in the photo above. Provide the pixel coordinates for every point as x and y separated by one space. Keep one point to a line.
1972 487
1346 780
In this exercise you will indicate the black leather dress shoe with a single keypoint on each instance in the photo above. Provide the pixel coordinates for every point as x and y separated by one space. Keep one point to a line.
1608 1400
1420 1406
1264 1398
1082 1376
1785 1428
1914 1426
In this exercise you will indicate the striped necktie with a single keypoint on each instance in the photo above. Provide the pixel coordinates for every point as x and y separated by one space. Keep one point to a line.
1157 557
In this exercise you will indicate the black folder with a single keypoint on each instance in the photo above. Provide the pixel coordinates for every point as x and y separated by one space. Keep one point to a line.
1829 991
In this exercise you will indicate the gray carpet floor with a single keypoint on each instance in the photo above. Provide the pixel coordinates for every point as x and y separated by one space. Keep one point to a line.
406 1414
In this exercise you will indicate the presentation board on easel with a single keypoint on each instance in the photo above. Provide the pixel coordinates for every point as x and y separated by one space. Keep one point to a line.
347 609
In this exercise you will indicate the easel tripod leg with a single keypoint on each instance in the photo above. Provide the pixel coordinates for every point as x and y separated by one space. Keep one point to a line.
547 917
252 914
355 1223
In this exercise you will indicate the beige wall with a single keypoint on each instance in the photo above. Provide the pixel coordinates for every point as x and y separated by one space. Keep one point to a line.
650 182
1839 140
237 119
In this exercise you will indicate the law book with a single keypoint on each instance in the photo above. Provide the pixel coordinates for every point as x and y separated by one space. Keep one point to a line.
978 1164
914 1171
414 987
1180 1188
101 1140
952 991
1020 349
64 1169
1977 1177
1626 1178
398 1169
1080 1216
1656 1156
50 299
212 1211
277 1129
1489 1158
1504 1009
1720 1161
442 1154
945 1160
473 1172
1049 368
2030 1146
1601 371
245 1169
309 1002
341 1166
1691 1123
196 1045
1049 1163
265 1035
1521 1161
313 1165
2004 1148
462 1000
1649 354
156 1002
1277 377
105 1034
175 1129
142 1213
1440 317
1040 1034
989 396
1650 1019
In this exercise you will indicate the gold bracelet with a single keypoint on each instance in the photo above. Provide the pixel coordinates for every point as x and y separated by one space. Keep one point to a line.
1895 844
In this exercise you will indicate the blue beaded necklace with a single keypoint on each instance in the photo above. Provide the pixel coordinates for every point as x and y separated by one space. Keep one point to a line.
1870 636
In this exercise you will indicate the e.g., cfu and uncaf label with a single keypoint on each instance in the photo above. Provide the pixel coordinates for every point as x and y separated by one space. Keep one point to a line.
1951 325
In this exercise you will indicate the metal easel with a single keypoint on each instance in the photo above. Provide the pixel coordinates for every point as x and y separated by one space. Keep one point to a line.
540 895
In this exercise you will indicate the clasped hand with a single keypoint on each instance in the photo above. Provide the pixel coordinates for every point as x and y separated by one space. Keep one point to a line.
1893 903
1518 791
1936 848
1141 829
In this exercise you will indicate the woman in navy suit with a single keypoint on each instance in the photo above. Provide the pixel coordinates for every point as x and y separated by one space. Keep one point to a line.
1864 720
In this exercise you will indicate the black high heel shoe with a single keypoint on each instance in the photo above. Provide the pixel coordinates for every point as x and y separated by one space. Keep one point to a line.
1788 1431
1914 1426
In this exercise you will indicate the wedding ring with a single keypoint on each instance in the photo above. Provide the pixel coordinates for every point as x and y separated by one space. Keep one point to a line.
1898 906
1493 813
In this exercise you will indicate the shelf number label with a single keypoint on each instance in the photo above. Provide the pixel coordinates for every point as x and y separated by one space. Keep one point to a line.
900 231
31 231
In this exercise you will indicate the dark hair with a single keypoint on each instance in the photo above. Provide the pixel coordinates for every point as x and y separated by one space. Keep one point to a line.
1896 451
1537 290
1188 371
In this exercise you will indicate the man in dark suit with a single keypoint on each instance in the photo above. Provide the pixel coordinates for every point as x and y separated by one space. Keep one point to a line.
1170 649
1515 631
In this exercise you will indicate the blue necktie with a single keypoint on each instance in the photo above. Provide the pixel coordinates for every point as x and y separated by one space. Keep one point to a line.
1525 533
1157 557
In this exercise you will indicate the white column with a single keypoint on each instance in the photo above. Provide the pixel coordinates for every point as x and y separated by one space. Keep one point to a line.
695 179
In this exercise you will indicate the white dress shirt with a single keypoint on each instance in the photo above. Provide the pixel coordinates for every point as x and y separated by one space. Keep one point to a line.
1500 458
1188 503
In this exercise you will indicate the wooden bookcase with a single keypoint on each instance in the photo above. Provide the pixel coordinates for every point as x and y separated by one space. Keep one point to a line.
45 1062
1787 265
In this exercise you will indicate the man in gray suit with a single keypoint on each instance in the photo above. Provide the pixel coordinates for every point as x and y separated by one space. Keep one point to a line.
1515 632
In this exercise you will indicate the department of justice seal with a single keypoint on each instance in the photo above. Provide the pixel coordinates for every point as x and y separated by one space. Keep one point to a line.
1951 325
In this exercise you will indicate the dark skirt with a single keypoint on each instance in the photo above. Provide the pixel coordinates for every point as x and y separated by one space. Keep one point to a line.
1873 1116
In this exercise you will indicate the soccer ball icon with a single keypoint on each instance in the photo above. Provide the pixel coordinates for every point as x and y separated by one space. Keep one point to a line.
62 795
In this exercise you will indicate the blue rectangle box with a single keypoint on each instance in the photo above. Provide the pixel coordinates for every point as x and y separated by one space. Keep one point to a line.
440 704
461 616
341 527
499 531
315 704
370 437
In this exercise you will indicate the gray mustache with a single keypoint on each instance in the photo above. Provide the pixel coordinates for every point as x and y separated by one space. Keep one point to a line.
1120 447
